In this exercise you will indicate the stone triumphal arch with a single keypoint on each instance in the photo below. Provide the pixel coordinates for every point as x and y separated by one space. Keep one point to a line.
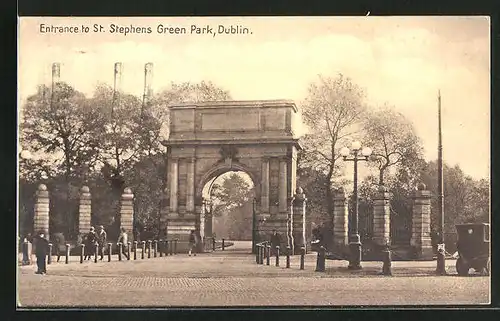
256 137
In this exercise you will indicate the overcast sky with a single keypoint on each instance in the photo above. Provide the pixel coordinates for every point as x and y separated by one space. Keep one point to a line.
403 61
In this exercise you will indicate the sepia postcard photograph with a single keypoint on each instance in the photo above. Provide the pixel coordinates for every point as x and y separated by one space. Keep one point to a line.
231 162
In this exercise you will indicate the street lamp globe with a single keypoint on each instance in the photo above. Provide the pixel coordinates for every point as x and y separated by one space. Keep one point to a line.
367 151
356 145
344 151
26 154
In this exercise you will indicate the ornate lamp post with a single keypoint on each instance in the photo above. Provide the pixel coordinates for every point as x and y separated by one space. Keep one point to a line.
254 225
357 154
25 154
440 268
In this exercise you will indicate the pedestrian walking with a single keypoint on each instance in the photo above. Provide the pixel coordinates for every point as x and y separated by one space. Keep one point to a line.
101 240
41 250
57 242
192 242
124 240
90 242
275 241
26 250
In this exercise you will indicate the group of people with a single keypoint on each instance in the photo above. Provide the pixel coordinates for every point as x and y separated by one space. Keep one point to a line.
99 238
94 238
91 239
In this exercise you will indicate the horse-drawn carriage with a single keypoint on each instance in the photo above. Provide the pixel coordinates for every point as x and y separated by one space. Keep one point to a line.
473 247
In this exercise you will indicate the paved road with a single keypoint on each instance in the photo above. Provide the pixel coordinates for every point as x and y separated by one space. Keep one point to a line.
231 278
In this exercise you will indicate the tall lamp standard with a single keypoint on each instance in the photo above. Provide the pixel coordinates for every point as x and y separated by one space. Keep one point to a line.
254 226
440 268
25 154
357 154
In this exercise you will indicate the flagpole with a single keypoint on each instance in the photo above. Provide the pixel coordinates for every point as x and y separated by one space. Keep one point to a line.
440 269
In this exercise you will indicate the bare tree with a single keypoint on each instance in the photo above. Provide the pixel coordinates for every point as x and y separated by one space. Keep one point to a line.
331 111
392 137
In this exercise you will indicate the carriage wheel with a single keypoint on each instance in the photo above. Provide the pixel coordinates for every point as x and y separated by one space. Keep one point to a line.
462 267
488 266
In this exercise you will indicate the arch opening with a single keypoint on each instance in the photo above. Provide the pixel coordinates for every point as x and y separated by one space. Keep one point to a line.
229 207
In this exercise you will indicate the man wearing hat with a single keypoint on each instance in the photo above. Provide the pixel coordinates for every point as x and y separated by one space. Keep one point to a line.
41 250
90 242
101 240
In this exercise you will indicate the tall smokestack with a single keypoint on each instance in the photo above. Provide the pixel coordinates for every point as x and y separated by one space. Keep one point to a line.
148 78
56 75
117 83
118 77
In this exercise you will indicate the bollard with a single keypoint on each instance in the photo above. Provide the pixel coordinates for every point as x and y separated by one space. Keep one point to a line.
213 244
120 248
155 248
172 244
167 247
268 254
288 257
162 247
109 251
302 257
223 244
277 255
386 268
26 253
441 259
257 253
143 249
175 246
96 251
135 250
82 252
49 258
149 249
320 260
128 251
67 253
261 254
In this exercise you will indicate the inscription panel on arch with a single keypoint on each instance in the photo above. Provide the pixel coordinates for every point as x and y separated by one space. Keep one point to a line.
275 119
183 120
230 121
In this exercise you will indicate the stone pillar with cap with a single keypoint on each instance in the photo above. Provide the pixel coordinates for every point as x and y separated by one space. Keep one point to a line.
340 219
282 189
127 212
381 217
84 211
41 219
264 202
421 224
299 220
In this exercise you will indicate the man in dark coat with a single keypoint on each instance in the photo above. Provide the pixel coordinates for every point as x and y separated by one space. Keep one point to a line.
192 242
90 242
101 240
275 241
57 243
41 250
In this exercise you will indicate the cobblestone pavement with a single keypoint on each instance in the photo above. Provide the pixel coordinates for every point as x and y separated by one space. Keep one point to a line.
232 278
